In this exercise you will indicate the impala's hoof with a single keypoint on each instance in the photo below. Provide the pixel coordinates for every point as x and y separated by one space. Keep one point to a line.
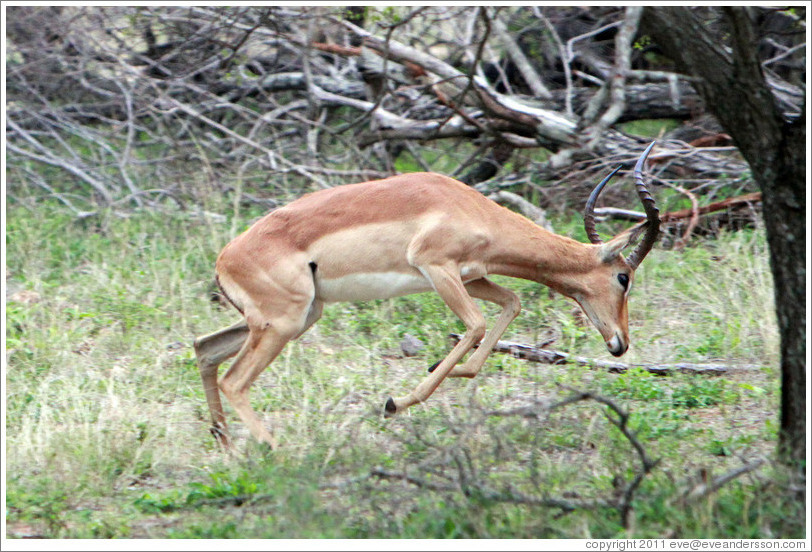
221 436
390 409
434 366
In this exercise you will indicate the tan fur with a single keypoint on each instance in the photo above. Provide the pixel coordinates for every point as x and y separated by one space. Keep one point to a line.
403 234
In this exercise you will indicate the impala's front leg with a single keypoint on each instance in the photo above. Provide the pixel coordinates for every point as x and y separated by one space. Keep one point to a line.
509 301
446 281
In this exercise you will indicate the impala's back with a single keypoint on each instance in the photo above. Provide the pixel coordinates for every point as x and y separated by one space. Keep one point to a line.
356 239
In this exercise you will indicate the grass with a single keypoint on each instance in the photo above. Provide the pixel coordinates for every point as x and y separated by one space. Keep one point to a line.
107 425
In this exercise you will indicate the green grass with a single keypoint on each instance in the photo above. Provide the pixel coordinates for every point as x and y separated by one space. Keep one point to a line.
107 425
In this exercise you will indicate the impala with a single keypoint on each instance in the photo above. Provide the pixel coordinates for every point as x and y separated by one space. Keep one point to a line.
404 234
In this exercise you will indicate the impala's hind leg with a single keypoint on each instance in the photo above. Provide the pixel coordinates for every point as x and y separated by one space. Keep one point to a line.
261 348
211 350
277 310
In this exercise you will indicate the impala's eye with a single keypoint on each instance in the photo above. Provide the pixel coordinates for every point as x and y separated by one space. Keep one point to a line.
624 280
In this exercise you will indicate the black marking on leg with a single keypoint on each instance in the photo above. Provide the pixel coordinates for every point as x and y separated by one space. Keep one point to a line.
434 366
313 267
390 409
219 435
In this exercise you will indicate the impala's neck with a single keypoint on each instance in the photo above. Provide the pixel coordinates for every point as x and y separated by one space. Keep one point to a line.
524 250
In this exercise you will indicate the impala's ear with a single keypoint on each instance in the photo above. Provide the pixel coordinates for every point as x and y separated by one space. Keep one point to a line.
613 247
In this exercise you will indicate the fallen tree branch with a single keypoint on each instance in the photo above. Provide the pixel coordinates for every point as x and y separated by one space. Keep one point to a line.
536 354
550 128
675 216
729 203
693 219
522 123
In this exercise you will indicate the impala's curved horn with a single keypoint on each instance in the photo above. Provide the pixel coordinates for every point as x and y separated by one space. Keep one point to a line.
589 210
652 214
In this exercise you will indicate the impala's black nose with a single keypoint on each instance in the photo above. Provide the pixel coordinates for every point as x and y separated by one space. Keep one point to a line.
617 346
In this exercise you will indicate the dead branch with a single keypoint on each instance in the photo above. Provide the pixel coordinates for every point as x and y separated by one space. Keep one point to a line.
544 356
531 76
693 219
541 127
617 85
49 158
271 154
547 125
234 77
508 494
621 422
620 419
382 473
468 479
677 216
747 199
565 62
705 489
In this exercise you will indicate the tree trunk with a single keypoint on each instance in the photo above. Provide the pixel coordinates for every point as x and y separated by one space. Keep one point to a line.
784 215
735 90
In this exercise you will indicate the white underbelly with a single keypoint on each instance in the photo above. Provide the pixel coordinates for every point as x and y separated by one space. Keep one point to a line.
365 286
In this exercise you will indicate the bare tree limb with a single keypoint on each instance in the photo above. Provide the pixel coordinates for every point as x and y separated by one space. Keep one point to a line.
48 158
617 85
530 75
565 61
692 213
272 155
705 489
693 219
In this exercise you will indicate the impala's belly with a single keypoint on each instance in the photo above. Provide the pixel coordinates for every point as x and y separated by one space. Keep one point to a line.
365 286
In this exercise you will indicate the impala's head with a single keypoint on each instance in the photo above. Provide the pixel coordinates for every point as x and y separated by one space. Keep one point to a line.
605 290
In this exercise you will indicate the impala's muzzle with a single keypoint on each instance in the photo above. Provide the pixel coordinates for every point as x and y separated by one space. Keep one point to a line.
617 346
